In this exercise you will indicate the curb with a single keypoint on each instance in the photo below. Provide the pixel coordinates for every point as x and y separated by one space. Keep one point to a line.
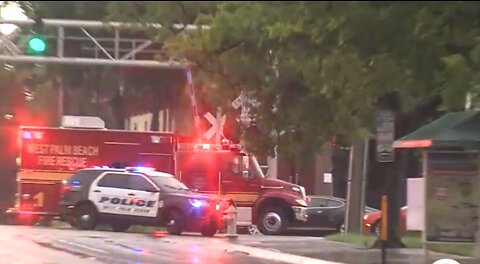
277 256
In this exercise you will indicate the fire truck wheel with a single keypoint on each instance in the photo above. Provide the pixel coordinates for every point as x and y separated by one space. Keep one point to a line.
174 222
273 221
209 229
85 217
120 227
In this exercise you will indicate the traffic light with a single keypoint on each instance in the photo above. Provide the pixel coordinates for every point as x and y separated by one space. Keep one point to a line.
36 44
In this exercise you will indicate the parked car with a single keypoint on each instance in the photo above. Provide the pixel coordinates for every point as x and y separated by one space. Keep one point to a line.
326 213
372 222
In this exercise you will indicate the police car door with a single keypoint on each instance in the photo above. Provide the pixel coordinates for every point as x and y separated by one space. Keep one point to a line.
110 192
146 196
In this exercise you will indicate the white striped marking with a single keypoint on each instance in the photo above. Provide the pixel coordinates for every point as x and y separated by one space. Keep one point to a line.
278 256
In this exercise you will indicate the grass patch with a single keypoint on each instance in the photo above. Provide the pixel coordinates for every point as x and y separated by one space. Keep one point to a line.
460 250
410 241
354 239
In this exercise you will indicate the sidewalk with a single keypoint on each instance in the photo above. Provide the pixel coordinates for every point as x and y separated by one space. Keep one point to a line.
334 252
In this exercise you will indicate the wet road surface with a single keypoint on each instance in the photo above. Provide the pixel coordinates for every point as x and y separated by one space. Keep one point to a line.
319 248
32 245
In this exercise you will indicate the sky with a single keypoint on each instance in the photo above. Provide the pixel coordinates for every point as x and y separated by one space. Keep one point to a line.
11 11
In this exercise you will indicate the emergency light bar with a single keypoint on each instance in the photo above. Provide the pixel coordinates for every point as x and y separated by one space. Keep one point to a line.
139 169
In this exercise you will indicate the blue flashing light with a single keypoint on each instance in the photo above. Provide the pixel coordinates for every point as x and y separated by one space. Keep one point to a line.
197 203
27 135
140 169
76 183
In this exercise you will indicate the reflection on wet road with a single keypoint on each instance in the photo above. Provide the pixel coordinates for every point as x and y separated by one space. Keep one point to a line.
19 244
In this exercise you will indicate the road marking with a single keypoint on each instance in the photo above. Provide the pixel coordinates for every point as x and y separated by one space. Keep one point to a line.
80 245
277 256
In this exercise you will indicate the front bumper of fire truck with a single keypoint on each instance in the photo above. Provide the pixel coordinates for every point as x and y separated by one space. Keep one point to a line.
300 213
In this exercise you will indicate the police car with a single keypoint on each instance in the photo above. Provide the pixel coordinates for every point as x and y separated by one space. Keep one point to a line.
136 196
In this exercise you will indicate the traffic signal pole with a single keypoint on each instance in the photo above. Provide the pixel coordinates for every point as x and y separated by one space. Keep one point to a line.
11 49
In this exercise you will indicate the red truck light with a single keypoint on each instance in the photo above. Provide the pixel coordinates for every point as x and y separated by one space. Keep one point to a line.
202 147
65 188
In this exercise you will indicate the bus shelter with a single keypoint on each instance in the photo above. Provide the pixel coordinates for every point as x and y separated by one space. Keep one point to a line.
449 148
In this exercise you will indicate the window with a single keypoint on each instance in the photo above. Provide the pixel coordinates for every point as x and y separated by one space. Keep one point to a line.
114 180
169 184
318 202
137 182
334 203
325 202
85 177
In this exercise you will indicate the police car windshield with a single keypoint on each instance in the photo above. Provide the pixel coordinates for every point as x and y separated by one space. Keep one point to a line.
169 184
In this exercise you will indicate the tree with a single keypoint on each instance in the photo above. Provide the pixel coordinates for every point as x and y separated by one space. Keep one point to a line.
325 67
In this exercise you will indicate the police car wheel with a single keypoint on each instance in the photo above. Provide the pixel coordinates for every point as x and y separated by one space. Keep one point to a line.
120 227
85 217
209 229
174 222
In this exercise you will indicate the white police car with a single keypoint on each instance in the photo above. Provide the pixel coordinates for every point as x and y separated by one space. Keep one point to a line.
136 196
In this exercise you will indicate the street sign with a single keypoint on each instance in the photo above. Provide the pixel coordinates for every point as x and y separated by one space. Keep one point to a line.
217 125
238 101
385 135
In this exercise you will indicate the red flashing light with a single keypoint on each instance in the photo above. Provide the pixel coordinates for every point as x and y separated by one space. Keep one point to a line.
203 146
65 188
38 135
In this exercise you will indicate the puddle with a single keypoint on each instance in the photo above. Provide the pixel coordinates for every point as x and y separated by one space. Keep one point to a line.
72 252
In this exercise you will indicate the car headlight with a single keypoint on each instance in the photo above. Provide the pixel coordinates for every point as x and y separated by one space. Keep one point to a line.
197 203
301 202
300 190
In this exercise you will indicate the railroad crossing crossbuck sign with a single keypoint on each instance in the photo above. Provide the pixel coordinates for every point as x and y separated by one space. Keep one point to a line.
217 125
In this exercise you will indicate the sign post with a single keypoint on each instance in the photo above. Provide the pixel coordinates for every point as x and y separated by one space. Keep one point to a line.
385 126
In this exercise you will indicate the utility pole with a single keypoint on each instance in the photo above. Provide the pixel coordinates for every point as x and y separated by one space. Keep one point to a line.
218 135
354 215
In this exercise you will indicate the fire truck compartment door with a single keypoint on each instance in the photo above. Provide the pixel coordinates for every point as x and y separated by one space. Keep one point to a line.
117 193
43 194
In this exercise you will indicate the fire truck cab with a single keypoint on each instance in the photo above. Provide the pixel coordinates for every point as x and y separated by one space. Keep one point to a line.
224 170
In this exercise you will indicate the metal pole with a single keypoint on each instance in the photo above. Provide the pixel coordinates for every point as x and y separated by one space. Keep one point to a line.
364 179
90 61
60 98
135 50
96 43
117 44
97 24
60 40
425 195
218 134
349 188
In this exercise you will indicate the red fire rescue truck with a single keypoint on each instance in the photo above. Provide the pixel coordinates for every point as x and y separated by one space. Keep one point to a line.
50 155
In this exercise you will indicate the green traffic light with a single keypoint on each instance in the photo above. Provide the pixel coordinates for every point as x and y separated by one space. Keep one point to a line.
37 44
